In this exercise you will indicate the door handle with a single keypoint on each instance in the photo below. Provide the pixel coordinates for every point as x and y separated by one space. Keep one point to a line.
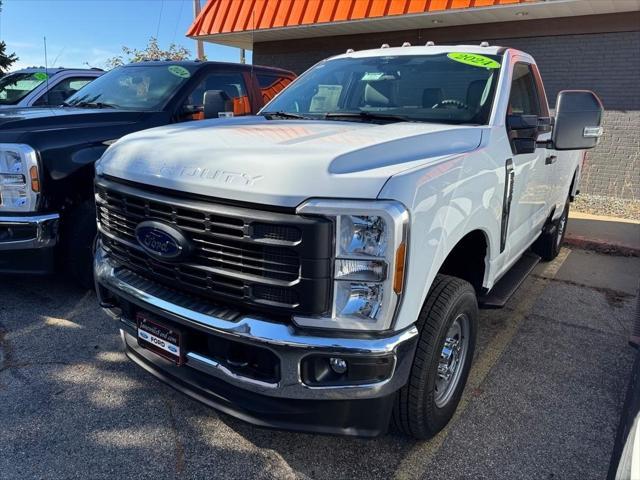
550 160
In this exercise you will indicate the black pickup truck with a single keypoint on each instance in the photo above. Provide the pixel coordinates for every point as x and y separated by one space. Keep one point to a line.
47 155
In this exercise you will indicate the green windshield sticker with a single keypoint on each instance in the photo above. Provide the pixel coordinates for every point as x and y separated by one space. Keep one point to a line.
372 76
40 76
474 59
179 71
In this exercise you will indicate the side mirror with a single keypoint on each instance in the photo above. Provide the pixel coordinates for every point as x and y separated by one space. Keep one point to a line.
523 133
215 102
578 118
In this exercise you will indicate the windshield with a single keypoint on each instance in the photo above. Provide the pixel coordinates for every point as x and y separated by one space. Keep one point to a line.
445 88
15 86
133 88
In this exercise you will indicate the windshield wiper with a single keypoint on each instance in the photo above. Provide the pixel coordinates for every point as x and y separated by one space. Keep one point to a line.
93 105
367 115
280 114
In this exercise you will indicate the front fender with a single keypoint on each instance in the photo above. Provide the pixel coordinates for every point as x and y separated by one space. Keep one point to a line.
67 174
64 162
447 200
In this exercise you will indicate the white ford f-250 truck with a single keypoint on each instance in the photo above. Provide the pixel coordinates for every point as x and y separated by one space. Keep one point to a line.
319 266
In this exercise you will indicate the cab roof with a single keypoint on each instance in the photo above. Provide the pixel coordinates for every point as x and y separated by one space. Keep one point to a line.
200 64
53 71
385 51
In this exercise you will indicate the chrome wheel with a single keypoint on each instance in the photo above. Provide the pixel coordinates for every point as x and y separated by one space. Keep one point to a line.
452 358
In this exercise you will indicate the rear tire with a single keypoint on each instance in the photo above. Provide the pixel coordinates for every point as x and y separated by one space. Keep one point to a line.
550 241
78 238
448 323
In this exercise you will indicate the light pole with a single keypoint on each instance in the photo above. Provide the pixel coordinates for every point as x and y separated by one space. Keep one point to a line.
199 44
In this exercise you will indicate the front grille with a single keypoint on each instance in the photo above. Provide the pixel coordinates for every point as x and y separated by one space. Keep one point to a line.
276 232
271 260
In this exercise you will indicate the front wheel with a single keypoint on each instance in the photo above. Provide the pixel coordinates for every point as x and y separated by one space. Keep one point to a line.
448 323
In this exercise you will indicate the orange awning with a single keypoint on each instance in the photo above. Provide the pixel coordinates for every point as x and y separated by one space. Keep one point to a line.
231 16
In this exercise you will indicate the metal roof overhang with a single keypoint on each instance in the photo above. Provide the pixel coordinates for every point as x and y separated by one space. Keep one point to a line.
528 10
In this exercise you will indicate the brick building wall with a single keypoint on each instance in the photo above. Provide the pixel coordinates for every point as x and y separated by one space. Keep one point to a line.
607 63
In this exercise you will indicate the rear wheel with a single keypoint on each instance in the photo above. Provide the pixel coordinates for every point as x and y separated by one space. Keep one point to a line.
550 241
447 324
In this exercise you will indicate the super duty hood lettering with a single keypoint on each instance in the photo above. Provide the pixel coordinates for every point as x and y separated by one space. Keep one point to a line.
204 173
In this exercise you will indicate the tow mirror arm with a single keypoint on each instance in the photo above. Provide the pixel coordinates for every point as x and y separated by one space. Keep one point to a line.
524 131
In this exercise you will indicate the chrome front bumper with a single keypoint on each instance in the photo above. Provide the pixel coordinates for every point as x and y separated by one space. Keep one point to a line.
41 231
288 343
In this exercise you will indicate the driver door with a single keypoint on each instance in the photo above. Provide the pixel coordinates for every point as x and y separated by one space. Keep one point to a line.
530 205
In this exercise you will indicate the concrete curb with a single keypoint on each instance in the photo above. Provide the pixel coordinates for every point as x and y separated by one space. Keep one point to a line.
602 218
602 246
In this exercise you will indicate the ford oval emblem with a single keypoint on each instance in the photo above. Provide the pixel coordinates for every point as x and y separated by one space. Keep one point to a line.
162 241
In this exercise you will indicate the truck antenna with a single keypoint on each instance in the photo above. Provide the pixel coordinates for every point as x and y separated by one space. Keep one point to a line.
46 68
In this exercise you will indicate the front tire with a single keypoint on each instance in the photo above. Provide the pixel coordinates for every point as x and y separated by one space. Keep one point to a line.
448 323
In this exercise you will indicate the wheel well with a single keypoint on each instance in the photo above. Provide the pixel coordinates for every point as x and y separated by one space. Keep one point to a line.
467 259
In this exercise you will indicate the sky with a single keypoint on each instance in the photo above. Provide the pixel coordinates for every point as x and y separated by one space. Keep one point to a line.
81 32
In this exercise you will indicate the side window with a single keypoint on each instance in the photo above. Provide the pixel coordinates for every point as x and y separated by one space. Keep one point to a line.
271 85
63 90
231 83
524 97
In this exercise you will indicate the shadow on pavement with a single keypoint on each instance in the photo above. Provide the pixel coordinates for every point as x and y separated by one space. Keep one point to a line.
73 406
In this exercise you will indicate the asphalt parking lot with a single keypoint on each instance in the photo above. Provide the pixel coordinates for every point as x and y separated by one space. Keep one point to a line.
542 401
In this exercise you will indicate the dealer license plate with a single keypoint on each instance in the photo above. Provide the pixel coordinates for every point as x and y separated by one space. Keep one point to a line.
160 338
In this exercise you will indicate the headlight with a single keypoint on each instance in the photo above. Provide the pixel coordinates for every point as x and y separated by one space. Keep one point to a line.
19 178
362 235
370 251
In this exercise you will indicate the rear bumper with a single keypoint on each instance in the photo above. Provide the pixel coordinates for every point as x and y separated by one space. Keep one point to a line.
288 402
26 243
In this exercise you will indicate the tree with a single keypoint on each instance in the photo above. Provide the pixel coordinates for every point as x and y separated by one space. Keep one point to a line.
151 52
6 60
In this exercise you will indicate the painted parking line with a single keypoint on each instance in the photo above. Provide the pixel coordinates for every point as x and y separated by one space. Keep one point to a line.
414 464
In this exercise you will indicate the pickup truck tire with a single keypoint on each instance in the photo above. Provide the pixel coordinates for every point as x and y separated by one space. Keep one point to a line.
79 233
550 241
428 401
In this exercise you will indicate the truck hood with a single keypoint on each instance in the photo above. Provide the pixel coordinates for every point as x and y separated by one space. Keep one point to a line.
281 162
38 119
